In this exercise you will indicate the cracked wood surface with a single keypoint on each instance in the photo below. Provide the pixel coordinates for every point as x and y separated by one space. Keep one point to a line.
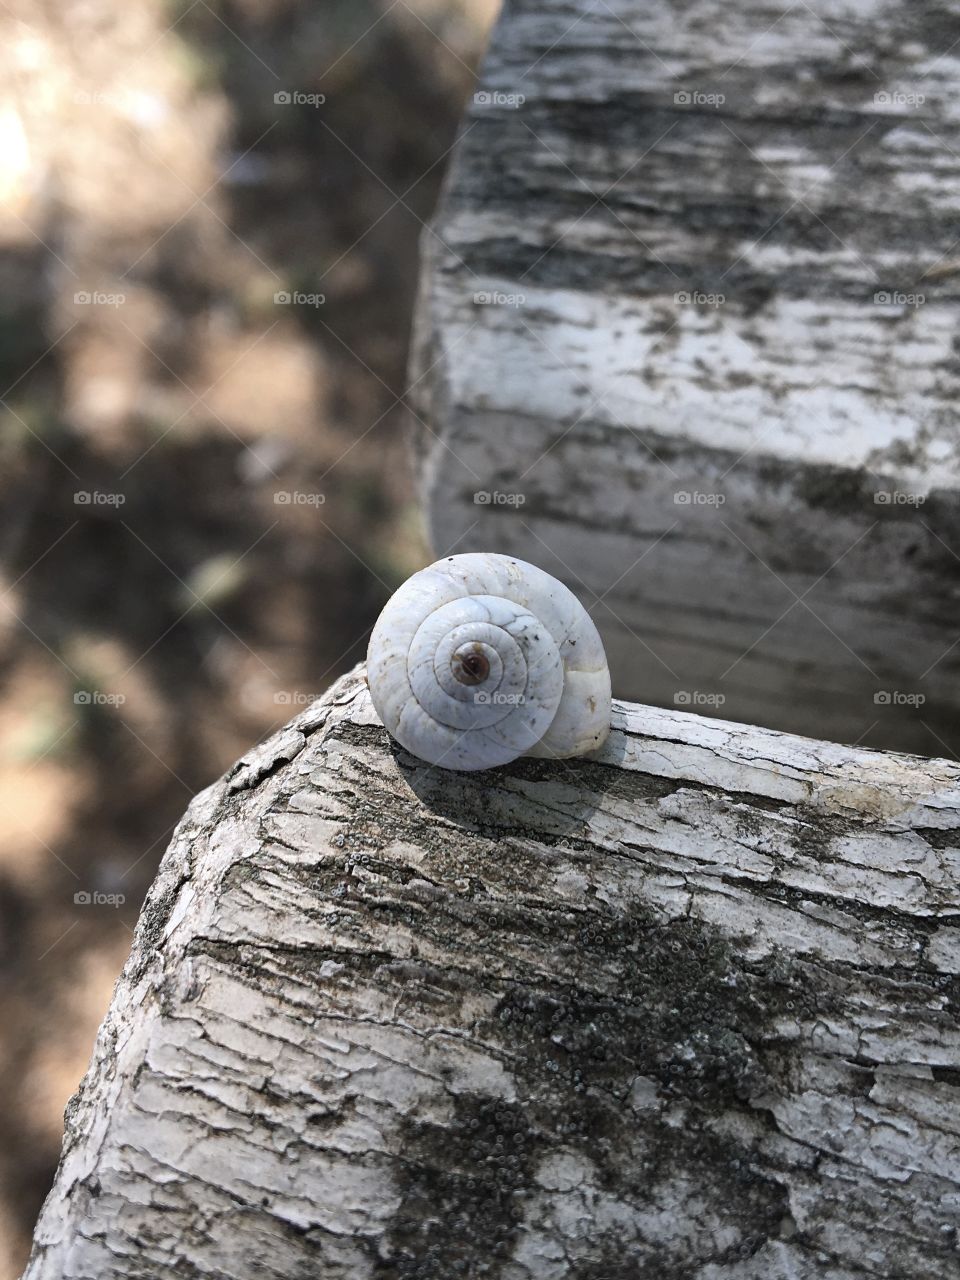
684 1010
704 473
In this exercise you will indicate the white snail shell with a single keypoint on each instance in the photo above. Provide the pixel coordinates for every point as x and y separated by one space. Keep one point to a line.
479 659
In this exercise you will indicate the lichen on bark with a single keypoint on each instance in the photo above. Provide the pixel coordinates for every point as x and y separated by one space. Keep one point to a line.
684 1010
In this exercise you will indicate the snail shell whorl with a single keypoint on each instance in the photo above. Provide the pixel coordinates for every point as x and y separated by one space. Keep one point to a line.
478 659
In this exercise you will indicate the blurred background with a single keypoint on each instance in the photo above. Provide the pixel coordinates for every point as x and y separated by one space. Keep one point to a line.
209 219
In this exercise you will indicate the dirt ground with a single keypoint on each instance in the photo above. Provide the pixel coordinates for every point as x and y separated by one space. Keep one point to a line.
204 490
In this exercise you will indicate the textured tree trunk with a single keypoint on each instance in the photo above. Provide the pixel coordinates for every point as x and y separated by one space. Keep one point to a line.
689 321
686 1009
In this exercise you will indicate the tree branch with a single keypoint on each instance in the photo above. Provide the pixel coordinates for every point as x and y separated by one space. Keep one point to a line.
684 1009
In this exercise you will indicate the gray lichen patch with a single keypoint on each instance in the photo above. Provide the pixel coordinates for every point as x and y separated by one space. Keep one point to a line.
683 1007
674 1004
462 1187
384 1022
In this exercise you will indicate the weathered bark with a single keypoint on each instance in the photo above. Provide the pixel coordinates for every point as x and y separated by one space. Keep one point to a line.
564 357
687 1009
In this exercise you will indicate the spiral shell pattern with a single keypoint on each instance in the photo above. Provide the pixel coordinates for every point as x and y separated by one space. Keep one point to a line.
479 659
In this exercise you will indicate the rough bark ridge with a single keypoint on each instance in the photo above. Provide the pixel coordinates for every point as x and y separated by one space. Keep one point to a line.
687 1009
689 316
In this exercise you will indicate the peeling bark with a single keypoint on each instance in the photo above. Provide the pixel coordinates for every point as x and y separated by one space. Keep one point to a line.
652 321
687 1009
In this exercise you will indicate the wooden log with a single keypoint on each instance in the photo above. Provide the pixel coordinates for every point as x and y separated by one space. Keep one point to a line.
688 322
685 1009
